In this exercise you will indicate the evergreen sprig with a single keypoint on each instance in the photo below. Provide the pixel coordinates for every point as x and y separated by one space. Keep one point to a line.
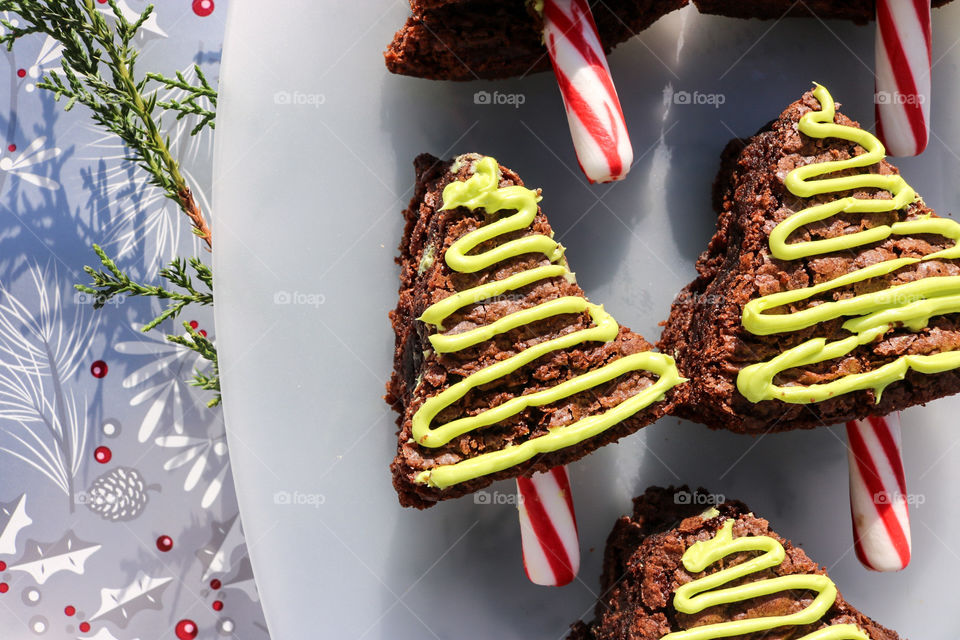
98 71
112 283
196 341
109 284
194 101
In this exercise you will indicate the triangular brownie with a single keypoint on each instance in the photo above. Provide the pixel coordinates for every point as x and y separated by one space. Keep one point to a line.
471 39
675 571
829 292
502 366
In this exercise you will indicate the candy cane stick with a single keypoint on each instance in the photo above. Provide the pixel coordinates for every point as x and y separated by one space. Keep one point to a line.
878 493
548 528
903 75
593 109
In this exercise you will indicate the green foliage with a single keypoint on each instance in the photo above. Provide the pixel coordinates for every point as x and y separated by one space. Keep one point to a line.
196 341
111 283
98 71
194 101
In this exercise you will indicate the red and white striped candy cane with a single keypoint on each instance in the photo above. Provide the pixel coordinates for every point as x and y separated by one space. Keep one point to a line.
878 493
548 528
903 75
593 109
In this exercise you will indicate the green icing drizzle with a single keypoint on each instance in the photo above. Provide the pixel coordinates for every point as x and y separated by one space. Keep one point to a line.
482 191
706 591
871 314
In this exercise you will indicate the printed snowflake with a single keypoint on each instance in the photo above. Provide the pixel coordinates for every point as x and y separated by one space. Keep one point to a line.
21 166
201 452
162 381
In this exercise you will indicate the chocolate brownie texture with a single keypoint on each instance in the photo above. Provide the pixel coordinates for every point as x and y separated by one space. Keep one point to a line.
642 570
704 331
474 39
420 373
859 11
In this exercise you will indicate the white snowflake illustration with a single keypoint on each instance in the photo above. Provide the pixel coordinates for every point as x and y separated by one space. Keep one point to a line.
47 59
162 381
21 166
202 452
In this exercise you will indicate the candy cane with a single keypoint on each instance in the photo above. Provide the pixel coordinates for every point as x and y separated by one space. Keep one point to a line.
903 75
596 122
548 528
878 493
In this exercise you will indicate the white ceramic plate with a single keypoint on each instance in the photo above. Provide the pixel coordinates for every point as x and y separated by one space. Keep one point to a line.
314 148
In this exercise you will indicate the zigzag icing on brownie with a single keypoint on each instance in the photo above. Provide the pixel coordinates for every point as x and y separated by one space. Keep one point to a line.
709 590
871 314
481 191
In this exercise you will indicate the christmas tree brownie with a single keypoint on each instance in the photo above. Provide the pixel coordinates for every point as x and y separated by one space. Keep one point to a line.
470 39
672 571
502 367
830 290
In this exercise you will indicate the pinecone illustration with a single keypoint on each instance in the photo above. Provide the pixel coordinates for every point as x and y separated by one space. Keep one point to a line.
119 495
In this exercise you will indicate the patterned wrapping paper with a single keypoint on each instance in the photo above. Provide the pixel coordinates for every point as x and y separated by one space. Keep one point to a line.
118 518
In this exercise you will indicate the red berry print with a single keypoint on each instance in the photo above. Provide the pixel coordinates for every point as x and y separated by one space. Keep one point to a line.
203 8
186 630
69 610
3 565
217 605
98 369
4 587
164 543
215 584
21 73
194 324
11 148
84 627
203 332
102 454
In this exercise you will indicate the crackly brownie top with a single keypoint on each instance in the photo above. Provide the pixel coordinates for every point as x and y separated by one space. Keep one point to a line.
838 207
671 573
474 260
